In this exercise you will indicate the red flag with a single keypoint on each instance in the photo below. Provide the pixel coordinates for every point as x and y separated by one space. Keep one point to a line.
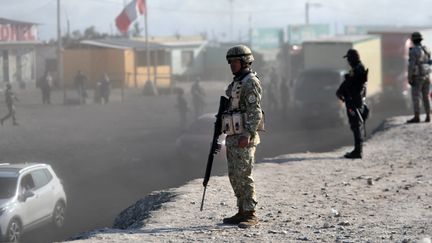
129 14
142 8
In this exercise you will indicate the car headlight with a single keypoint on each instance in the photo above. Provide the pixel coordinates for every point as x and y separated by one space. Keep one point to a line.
2 210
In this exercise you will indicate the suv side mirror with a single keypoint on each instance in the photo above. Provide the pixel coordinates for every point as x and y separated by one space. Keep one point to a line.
23 197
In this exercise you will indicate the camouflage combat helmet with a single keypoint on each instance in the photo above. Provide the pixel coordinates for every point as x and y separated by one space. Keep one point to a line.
240 52
416 36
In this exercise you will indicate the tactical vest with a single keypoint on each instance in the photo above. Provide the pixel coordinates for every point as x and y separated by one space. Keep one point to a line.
422 67
233 120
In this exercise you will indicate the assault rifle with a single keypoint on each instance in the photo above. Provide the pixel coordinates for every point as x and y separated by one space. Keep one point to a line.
215 146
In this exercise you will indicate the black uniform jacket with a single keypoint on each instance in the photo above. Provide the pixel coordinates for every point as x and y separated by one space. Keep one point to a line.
353 88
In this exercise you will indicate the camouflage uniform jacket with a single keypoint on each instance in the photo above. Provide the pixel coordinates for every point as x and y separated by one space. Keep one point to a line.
249 105
418 63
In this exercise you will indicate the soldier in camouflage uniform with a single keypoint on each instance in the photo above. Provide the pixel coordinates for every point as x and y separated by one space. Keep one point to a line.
418 76
245 116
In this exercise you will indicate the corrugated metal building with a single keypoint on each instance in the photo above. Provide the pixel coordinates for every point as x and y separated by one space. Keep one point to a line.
124 60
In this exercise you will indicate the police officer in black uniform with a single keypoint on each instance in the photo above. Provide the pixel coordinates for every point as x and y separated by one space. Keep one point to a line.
352 91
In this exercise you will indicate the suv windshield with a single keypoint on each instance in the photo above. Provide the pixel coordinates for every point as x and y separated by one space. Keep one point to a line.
7 187
317 86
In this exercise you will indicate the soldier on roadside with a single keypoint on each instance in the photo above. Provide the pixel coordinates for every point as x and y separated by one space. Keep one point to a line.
241 123
284 89
272 90
198 97
10 97
418 76
182 108
352 91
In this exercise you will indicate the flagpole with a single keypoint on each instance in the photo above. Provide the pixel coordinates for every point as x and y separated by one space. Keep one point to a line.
60 53
146 42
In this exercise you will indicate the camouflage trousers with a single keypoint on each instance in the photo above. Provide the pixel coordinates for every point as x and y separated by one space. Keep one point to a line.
240 165
420 88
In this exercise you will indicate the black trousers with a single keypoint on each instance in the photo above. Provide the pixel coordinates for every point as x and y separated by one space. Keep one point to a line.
356 124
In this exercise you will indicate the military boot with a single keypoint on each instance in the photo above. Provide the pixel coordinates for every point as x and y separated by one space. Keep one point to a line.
415 119
249 220
236 219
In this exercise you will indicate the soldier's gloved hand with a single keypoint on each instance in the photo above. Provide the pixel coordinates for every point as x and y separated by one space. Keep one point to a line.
243 141
218 147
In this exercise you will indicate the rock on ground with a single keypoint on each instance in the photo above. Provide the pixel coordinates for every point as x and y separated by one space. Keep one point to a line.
385 197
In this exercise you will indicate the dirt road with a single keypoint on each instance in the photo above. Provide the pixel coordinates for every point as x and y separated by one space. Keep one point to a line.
109 156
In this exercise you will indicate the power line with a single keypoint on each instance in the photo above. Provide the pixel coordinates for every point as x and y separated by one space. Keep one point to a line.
106 1
33 12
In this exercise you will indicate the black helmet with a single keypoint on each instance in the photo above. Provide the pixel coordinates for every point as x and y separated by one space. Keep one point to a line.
416 36
352 53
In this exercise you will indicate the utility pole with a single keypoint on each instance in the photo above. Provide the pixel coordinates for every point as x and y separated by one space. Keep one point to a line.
307 8
250 28
231 21
60 53
147 49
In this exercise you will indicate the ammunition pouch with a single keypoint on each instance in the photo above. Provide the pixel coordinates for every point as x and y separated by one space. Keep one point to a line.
424 69
234 123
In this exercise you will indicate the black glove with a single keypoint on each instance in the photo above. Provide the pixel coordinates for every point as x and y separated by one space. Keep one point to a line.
411 83
218 147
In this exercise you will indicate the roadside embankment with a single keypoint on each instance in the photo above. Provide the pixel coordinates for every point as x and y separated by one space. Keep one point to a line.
385 197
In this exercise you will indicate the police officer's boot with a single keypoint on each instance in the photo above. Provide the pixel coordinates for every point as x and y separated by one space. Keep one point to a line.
249 220
427 117
415 119
357 153
236 219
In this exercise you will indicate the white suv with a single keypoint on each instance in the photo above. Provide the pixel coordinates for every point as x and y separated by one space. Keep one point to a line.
31 195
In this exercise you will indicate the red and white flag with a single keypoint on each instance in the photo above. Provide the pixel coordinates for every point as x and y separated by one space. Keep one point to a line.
129 14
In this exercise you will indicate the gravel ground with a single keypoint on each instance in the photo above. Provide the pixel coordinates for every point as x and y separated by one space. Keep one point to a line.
318 197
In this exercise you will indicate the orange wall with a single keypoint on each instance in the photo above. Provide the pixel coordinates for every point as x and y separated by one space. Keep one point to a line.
93 63
118 64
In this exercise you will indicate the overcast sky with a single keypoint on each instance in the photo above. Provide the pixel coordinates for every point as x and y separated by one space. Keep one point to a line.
185 17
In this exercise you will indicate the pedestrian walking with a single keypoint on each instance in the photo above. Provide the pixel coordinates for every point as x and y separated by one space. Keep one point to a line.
10 98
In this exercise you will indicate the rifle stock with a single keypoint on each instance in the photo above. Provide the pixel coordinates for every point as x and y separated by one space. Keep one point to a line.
214 147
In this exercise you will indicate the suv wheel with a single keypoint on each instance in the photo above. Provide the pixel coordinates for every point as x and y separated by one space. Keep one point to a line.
59 215
14 231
